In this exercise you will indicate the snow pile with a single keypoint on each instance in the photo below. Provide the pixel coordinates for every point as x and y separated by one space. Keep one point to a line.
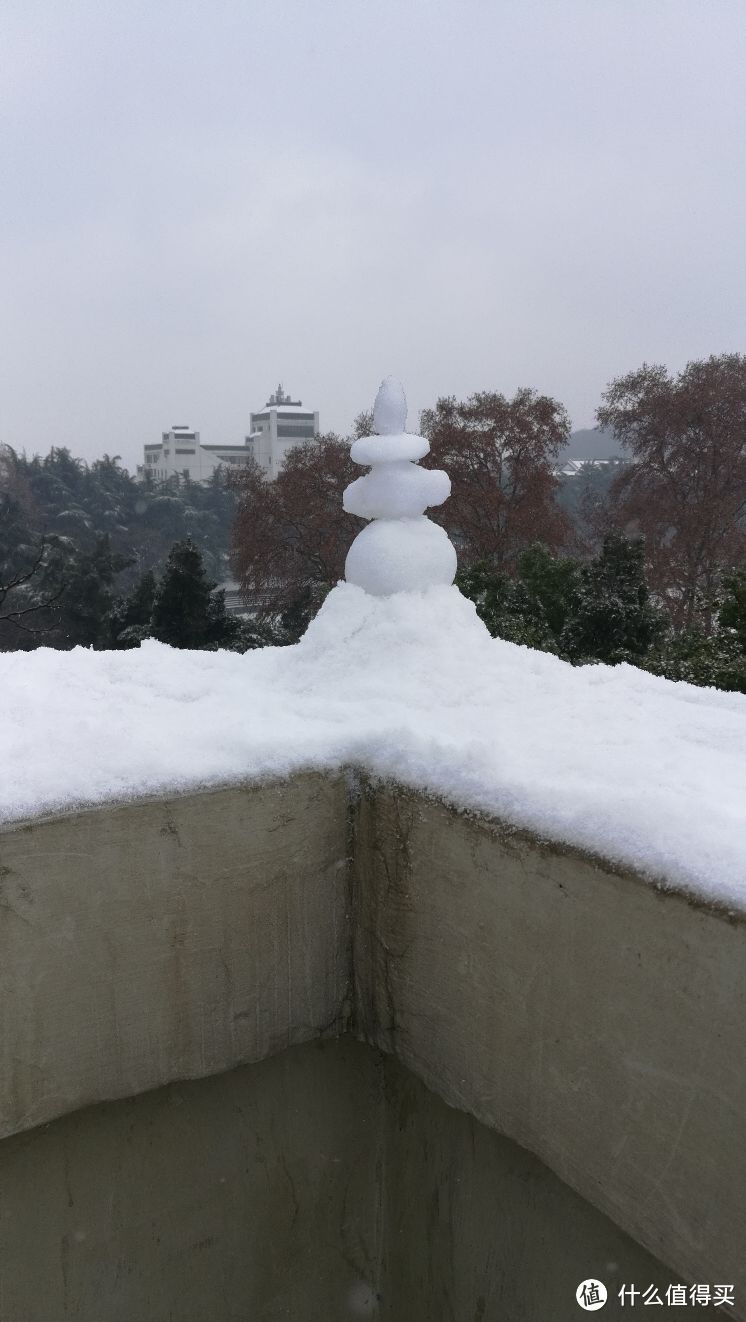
408 687
401 551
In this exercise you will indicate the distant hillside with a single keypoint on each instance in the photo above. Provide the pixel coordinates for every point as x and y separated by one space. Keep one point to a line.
591 443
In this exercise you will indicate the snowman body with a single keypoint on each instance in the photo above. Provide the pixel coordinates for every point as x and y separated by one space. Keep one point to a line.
401 550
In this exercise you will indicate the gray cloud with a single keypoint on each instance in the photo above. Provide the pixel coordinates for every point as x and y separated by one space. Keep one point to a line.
199 199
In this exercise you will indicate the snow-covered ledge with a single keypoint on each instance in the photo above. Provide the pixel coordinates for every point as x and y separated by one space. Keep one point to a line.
398 676
543 918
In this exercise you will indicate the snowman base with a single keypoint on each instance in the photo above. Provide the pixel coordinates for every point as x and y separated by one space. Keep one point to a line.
400 555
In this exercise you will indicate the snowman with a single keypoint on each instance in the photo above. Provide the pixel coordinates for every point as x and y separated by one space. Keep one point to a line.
400 550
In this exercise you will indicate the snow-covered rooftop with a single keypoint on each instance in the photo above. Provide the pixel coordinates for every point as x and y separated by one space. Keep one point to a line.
409 687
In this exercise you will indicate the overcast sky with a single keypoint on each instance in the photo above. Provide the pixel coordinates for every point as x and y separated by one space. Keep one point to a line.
199 199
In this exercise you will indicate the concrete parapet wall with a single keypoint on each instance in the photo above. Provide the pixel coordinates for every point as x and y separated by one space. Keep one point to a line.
324 1183
244 1197
168 940
596 1022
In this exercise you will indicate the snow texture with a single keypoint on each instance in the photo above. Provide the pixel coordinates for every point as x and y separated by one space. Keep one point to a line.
396 491
402 551
390 407
389 449
409 688
400 555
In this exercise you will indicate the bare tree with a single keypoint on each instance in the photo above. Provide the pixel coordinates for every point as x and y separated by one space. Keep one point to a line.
685 487
19 603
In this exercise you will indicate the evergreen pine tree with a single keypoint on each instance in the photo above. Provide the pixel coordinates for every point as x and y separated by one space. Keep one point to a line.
709 661
186 610
86 603
714 660
530 609
612 617
130 617
550 586
732 613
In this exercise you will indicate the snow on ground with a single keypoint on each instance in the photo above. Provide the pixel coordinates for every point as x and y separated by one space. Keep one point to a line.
409 687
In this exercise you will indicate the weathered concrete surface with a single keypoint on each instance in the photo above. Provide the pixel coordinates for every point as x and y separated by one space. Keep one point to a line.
476 1229
598 1023
325 1183
167 940
248 1196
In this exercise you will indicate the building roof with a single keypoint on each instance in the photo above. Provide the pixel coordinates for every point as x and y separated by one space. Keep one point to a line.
282 408
280 399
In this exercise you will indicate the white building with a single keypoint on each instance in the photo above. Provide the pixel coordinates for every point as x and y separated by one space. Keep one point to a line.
281 425
181 454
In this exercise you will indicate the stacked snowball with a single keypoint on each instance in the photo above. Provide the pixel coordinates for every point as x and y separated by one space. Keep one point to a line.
401 550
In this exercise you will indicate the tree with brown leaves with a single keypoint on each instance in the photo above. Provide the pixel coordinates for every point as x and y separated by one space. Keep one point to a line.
499 454
291 535
685 487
